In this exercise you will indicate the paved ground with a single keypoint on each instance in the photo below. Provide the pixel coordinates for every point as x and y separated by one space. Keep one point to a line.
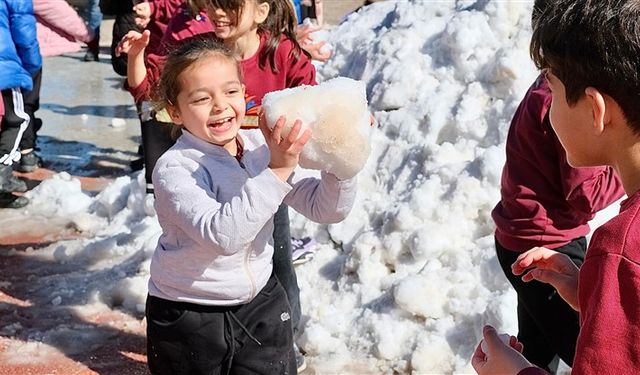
334 10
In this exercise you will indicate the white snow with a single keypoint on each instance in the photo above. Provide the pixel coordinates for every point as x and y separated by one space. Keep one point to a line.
407 281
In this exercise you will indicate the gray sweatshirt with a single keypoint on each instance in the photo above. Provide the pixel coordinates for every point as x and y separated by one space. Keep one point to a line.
216 216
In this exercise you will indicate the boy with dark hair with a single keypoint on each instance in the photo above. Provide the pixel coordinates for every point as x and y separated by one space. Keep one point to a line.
589 51
545 202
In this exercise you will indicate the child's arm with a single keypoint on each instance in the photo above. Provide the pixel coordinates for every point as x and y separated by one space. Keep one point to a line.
550 267
326 200
226 222
134 44
610 313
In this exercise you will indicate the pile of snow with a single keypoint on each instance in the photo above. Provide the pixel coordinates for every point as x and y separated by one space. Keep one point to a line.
336 112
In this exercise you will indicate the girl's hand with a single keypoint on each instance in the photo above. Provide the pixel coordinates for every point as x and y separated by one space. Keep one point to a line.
143 14
133 43
550 267
316 51
285 151
304 31
500 358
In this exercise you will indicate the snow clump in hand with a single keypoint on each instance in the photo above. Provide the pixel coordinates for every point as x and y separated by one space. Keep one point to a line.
337 113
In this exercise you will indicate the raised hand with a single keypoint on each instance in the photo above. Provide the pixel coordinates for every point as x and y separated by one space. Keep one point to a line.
143 14
550 267
133 43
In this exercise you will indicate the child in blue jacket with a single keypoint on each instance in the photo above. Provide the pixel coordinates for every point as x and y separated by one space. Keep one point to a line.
19 60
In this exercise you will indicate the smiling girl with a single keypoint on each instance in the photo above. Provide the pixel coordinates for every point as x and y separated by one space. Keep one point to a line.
214 304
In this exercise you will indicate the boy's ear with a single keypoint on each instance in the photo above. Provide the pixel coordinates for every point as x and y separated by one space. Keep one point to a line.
262 12
174 114
600 112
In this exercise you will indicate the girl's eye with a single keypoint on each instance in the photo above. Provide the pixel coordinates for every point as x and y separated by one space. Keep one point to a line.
233 92
201 100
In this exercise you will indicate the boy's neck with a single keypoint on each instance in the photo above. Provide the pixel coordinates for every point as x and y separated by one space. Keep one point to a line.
245 46
628 169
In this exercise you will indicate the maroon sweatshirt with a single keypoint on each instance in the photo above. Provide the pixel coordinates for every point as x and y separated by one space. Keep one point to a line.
609 297
161 13
258 82
544 201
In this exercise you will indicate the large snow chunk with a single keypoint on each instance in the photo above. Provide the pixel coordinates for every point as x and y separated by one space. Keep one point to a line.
336 112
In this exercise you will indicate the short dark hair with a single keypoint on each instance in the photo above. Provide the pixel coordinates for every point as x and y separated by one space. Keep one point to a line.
592 43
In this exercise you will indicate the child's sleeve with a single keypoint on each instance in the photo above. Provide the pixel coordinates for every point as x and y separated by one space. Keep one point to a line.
163 10
154 64
185 198
326 200
591 189
23 33
609 314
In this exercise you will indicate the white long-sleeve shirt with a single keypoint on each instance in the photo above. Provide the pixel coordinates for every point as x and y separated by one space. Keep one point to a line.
217 218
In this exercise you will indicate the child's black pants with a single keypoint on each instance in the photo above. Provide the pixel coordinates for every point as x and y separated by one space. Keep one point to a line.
254 338
547 325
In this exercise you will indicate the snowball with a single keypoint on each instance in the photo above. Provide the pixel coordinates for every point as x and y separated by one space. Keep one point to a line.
503 337
118 122
336 112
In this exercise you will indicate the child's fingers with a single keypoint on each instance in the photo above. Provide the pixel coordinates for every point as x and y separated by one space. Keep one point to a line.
276 132
528 259
546 276
294 132
302 140
479 358
514 343
146 35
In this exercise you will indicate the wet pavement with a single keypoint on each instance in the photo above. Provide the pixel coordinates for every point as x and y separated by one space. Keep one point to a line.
90 126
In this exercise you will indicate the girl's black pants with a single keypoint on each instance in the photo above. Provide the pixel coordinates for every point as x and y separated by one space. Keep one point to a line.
254 338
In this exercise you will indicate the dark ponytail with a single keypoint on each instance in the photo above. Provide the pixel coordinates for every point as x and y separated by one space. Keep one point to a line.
280 21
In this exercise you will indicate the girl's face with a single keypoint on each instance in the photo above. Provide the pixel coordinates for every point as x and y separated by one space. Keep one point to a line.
211 102
239 23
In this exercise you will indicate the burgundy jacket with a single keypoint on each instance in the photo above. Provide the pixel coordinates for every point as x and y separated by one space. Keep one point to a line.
544 201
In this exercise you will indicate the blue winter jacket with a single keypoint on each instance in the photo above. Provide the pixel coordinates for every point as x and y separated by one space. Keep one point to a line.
19 51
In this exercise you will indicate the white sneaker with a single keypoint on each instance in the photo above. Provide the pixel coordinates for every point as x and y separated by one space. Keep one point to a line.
302 250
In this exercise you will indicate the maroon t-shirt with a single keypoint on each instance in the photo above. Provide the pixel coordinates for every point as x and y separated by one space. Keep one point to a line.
292 72
544 201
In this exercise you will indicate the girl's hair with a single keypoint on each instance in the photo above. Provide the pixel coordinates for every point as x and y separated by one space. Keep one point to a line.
190 52
196 6
280 21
